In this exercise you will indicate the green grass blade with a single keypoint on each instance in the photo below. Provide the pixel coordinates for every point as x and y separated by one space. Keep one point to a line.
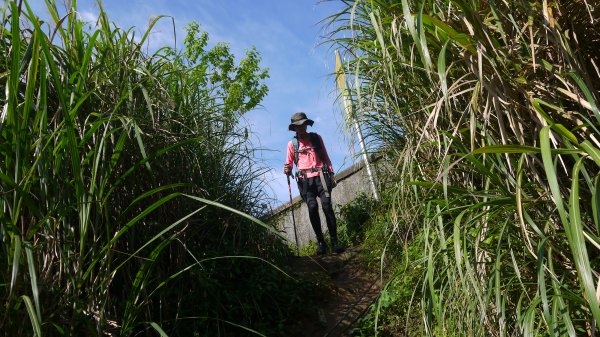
32 77
233 210
551 173
16 262
154 206
226 257
542 288
153 192
507 149
150 109
442 71
578 244
33 279
559 304
596 203
591 150
521 149
463 40
587 93
141 146
35 324
13 80
159 329
159 236
528 323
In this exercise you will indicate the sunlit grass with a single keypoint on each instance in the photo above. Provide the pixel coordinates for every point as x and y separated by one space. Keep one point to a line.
488 118
124 176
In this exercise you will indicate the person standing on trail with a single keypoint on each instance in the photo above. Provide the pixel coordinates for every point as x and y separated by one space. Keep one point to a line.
314 176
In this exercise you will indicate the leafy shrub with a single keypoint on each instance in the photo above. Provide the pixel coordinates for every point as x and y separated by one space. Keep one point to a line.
353 217
394 314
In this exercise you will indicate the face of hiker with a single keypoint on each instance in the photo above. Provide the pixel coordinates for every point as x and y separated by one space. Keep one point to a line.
301 129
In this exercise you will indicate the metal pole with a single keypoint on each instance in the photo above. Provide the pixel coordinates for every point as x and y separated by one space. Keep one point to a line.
293 218
366 159
348 107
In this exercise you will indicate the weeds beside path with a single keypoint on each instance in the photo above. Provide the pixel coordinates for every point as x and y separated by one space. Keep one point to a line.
353 289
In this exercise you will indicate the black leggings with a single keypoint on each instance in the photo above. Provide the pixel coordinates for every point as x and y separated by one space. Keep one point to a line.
310 188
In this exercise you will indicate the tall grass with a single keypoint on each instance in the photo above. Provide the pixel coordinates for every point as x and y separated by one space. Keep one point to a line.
124 178
487 112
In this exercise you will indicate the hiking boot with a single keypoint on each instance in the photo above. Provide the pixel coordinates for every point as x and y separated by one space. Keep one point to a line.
335 247
322 249
338 249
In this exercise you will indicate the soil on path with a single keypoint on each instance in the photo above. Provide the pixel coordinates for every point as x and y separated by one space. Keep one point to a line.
353 290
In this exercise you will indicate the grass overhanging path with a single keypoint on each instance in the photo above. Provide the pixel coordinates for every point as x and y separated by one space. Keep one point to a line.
352 290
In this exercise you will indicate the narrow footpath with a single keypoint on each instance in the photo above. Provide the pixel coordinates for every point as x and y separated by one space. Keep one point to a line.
353 289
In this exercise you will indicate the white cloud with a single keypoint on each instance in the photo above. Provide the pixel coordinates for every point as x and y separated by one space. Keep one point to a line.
285 33
88 16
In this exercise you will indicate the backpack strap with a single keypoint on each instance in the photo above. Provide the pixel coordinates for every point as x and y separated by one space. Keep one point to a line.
295 143
316 145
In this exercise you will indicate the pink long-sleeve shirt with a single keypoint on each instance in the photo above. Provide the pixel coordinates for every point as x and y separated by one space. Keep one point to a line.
307 156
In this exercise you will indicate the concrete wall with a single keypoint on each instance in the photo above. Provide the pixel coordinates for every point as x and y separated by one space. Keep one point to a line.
350 182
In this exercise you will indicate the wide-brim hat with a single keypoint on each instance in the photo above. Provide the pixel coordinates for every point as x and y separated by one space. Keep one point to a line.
299 118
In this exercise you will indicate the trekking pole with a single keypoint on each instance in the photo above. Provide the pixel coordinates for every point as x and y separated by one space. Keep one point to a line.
293 218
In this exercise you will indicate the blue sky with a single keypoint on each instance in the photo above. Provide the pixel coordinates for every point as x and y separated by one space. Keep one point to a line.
286 33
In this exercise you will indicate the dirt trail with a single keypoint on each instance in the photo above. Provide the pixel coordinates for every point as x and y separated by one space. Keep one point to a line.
353 290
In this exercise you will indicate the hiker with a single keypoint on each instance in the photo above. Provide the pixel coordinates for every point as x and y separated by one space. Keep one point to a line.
314 176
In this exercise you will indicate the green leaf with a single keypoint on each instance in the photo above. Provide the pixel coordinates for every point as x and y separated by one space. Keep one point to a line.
233 210
35 324
551 176
16 261
438 186
507 149
521 149
461 39
596 203
159 330
140 142
578 245
591 150
33 279
442 70
109 245
542 287
587 93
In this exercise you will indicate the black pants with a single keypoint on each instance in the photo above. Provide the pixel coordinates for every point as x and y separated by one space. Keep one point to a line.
310 188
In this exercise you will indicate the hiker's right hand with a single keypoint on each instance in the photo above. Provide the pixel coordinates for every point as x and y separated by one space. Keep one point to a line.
287 169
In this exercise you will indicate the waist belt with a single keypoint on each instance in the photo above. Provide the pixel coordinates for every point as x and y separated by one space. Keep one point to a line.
304 172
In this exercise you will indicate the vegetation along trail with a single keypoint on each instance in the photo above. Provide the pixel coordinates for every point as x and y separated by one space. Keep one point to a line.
130 202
